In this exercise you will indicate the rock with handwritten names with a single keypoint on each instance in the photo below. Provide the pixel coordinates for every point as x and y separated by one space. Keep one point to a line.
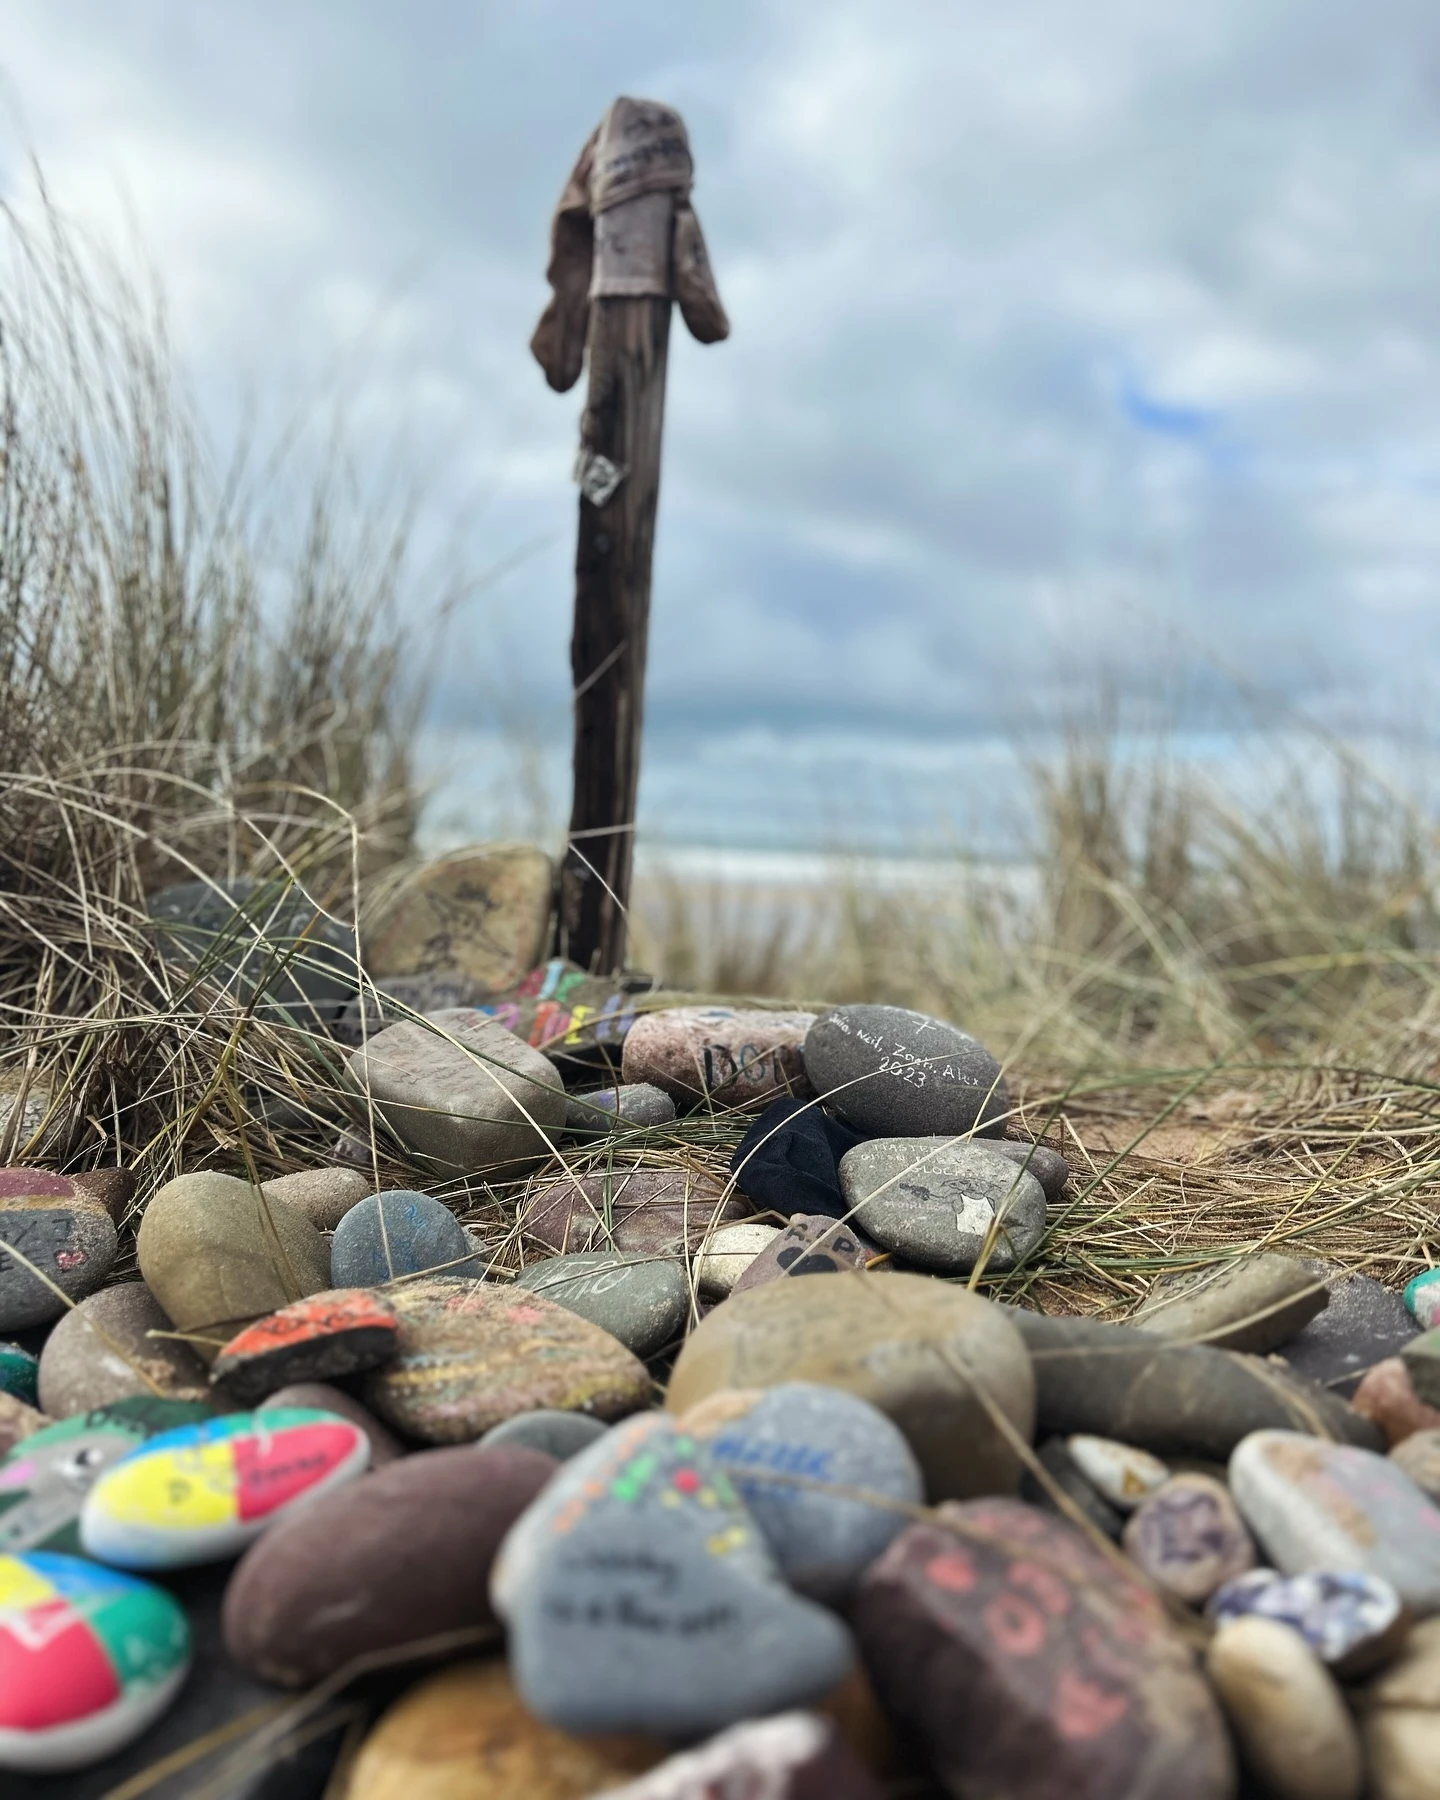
943 1205
57 1243
104 1350
642 1300
890 1072
481 911
654 1212
725 1056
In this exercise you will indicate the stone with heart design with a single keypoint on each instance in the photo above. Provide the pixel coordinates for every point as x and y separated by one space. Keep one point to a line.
57 1243
811 1244
943 1204
202 1493
340 1332
891 1072
642 1300
1188 1537
1352 1621
640 1596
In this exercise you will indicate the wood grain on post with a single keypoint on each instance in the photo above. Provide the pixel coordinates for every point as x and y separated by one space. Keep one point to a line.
624 244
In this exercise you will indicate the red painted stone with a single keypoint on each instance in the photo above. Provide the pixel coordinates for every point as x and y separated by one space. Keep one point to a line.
339 1332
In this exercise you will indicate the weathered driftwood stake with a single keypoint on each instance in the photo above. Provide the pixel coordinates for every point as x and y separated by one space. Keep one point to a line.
624 243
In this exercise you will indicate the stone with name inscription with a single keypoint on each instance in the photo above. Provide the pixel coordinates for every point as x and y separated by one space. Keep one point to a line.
103 1350
827 1478
890 1072
400 1232
322 1338
53 1236
811 1244
611 1109
1030 1667
948 1368
640 1596
942 1204
1317 1505
1353 1622
796 1756
656 1212
1189 1538
642 1300
727 1057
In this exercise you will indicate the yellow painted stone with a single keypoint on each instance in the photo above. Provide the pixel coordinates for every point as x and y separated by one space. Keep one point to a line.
484 910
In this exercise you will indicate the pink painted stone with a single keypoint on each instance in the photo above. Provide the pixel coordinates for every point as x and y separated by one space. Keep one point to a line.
726 1055
1386 1396
655 1211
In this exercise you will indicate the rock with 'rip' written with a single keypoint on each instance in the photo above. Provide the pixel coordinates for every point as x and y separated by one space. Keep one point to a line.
809 1245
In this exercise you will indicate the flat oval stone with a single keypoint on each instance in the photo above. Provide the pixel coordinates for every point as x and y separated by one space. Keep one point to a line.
1316 1505
88 1660
1254 1304
320 1396
943 1205
17 1421
609 1109
340 1332
1073 1681
469 1095
727 1253
558 1434
399 1233
1122 1474
1387 1395
44 1479
792 1757
216 1254
655 1212
49 1228
934 1359
102 1351
472 1355
1419 1456
642 1300
639 1596
798 1455
1399 1715
1352 1621
891 1072
1294 1729
19 1373
403 1555
1189 1538
732 1057
809 1245
324 1196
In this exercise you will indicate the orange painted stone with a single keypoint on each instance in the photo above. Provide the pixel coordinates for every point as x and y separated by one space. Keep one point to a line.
340 1332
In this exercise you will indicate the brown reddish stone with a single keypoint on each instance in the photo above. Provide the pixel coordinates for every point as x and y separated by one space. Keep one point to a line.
1030 1667
113 1188
339 1332
472 1355
809 1245
385 1447
1189 1538
102 1351
1386 1396
648 1211
17 1420
731 1057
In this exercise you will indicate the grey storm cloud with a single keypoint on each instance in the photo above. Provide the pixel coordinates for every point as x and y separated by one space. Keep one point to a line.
1069 335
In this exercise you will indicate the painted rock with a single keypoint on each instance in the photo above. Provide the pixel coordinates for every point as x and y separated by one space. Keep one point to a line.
466 1726
464 1092
341 1332
558 1434
727 1253
1352 1621
936 1360
944 1205
17 1421
1294 1730
1188 1538
797 1454
320 1396
45 1478
88 1659
1399 1715
1058 1469
1421 1357
1075 1685
1255 1304
1122 1474
656 1212
640 1597
472 1355
642 1300
483 911
49 1229
324 1196
202 1493
795 1756
1170 1399
1422 1298
1387 1395
1362 1325
611 1109
578 1021
19 1374
727 1056
216 1254
809 1245
1419 1457
1048 1166
1315 1505
890 1072
102 1351
789 1159
402 1555
399 1233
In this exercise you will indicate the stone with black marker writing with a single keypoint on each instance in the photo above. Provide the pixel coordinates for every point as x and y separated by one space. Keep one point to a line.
943 1204
732 1057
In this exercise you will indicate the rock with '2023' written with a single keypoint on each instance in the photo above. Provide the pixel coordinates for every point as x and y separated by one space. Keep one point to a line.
891 1072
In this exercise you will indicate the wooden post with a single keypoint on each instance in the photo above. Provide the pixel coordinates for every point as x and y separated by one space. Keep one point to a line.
624 244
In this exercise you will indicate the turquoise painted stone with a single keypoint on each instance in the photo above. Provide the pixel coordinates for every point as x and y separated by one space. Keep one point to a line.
88 1659
19 1374
1422 1296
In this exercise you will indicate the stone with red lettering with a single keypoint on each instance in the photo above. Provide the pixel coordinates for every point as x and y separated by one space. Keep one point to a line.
890 1072
1189 1538
795 1756
1030 1667
725 1056
56 1243
340 1332
650 1212
811 1244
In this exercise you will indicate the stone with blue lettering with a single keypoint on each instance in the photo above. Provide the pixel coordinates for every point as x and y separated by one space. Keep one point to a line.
399 1233
825 1475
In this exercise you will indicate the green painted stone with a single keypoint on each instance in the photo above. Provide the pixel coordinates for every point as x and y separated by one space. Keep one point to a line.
19 1373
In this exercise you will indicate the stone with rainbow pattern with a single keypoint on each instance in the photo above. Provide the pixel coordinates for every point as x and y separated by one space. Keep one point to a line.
88 1659
203 1493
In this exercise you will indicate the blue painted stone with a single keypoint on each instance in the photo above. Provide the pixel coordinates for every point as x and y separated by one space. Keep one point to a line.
1422 1296
412 1233
1348 1618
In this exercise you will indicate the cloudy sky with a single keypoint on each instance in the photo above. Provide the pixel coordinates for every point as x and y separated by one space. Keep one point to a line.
1074 341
